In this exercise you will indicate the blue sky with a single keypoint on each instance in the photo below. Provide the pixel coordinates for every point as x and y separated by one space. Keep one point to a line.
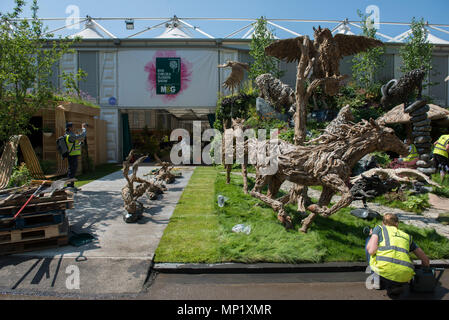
434 11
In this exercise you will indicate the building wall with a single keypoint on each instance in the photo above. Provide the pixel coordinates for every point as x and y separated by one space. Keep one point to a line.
115 71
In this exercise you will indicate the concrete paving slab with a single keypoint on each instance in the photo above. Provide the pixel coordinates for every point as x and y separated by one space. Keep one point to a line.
117 261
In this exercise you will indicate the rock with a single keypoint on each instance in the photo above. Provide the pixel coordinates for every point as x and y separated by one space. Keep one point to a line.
422 123
427 170
424 157
364 164
419 118
422 128
420 133
423 150
422 139
415 105
420 111
423 145
423 164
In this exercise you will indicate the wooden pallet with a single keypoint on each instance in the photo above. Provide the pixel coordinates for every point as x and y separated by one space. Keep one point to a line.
19 247
38 219
37 207
31 234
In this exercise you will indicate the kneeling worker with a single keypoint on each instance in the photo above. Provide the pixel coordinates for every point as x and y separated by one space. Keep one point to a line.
74 142
388 249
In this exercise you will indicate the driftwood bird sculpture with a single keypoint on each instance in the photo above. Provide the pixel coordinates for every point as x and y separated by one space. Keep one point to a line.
325 49
237 74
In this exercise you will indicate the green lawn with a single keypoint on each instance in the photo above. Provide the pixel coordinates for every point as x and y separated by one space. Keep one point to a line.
99 172
200 231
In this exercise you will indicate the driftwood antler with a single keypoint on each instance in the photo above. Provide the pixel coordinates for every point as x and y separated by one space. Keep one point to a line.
404 175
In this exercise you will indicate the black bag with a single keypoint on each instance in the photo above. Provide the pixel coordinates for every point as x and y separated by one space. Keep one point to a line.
61 145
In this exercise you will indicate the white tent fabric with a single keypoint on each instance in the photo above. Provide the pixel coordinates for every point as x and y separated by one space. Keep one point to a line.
430 38
344 29
435 40
89 32
173 33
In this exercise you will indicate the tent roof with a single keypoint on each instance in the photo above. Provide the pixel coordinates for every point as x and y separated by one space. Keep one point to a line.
173 32
344 29
89 32
435 40
397 114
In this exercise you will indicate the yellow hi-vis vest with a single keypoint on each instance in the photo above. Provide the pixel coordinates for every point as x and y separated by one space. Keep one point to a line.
392 260
74 148
440 147
413 155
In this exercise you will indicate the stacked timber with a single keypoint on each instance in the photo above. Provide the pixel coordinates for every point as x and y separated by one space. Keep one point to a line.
421 134
42 223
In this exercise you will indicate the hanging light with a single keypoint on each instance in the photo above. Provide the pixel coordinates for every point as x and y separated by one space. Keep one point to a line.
129 24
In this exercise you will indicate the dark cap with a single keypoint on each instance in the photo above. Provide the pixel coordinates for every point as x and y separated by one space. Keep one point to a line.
68 125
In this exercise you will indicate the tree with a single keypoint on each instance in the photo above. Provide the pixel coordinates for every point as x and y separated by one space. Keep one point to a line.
417 52
263 63
367 63
27 56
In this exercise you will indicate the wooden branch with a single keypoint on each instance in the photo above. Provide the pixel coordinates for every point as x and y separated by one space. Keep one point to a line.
397 174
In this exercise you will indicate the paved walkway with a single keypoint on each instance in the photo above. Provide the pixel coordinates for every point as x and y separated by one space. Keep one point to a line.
116 262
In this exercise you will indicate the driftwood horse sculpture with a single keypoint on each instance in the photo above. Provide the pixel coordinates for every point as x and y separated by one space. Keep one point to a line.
327 164
229 150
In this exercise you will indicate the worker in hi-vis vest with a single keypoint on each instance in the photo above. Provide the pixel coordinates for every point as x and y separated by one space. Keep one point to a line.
412 152
74 142
440 154
387 251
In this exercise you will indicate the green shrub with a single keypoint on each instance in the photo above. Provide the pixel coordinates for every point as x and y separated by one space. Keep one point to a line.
417 203
20 176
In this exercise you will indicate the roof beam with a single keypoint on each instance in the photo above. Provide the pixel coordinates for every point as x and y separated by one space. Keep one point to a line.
285 29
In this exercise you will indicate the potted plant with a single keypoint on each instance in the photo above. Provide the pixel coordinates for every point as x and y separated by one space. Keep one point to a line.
48 132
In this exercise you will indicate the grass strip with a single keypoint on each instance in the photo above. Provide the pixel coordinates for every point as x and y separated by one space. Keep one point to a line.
200 231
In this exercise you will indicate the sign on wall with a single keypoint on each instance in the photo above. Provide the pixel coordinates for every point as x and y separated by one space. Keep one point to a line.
167 78
168 75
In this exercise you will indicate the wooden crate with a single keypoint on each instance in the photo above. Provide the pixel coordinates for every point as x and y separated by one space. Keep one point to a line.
19 247
31 234
54 236
39 219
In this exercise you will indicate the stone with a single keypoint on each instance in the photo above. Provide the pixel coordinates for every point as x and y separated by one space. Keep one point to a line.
420 111
422 140
423 164
423 145
422 128
427 171
422 123
415 105
418 118
423 150
425 157
420 133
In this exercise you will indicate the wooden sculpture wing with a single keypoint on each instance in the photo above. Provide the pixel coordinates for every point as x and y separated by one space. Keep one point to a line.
351 44
288 50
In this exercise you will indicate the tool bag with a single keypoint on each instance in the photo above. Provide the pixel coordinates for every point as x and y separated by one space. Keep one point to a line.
426 279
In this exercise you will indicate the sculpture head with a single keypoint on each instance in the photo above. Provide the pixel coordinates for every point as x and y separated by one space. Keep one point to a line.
387 139
321 34
237 123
